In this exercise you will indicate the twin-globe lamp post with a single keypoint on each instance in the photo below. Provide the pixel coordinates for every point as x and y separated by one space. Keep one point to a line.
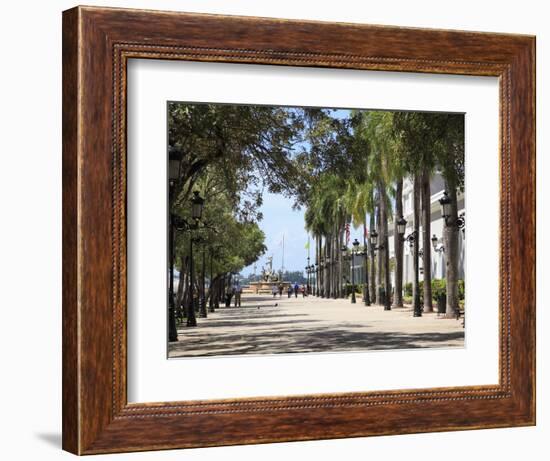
355 246
178 223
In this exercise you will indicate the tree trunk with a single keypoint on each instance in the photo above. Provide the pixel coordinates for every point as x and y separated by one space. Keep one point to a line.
366 294
317 266
416 219
182 284
324 281
341 288
398 245
385 250
380 259
333 262
451 254
426 241
372 264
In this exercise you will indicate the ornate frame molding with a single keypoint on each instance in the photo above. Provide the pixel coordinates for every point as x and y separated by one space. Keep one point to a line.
97 43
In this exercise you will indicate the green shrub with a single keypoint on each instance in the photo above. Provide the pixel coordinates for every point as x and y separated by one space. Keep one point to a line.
439 288
461 289
358 288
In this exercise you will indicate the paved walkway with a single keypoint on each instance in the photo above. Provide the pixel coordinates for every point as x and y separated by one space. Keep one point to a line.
264 325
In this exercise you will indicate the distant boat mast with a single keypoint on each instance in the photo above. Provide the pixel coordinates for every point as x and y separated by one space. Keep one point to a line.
283 258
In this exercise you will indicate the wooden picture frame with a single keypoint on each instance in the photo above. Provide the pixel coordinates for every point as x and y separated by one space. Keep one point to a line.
97 43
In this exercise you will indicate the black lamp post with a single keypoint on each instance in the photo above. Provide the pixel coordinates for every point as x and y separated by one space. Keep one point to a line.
413 246
366 296
174 159
197 204
344 251
308 288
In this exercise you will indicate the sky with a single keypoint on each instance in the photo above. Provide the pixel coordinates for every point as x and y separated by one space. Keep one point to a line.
280 219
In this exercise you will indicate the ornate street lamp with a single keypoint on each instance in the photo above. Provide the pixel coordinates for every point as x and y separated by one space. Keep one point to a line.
401 225
445 203
461 223
374 238
197 205
374 241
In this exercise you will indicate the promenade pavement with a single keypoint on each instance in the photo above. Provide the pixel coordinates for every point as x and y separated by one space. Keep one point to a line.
264 325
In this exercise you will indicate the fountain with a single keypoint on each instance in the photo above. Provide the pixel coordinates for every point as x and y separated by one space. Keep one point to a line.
268 278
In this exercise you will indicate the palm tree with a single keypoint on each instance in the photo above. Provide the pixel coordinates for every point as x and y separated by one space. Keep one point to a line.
426 238
398 244
360 204
377 128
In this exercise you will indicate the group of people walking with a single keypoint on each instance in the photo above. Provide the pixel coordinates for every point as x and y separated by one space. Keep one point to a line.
235 292
291 289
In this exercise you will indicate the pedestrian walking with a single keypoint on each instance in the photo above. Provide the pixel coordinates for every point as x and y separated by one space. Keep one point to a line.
296 288
289 291
274 290
304 291
281 287
237 291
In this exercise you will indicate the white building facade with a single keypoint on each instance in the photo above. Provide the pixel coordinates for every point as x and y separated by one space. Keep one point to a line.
438 263
438 266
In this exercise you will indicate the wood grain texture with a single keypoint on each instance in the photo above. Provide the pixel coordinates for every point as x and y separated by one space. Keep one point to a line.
97 43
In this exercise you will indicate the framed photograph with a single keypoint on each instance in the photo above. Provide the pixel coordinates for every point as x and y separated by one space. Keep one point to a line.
282 230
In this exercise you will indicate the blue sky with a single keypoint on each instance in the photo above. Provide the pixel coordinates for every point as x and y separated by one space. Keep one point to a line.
280 219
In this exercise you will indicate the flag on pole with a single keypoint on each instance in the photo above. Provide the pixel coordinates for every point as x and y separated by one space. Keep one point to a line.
307 245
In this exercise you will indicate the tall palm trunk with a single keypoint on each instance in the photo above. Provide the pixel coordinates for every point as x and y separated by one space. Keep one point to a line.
385 250
416 219
451 254
379 259
366 294
317 264
426 241
325 268
334 262
398 245
372 264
